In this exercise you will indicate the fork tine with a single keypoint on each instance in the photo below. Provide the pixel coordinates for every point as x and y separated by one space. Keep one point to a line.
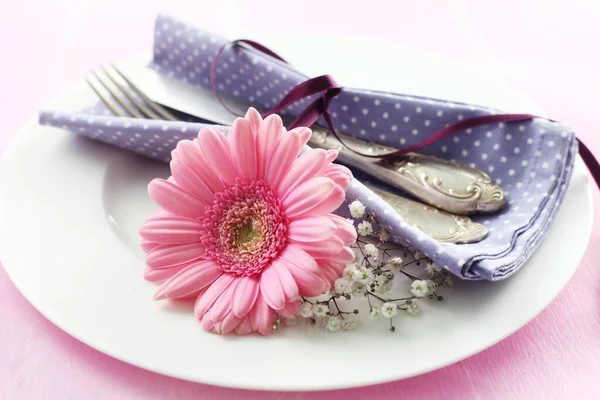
140 105
155 106
114 94
105 99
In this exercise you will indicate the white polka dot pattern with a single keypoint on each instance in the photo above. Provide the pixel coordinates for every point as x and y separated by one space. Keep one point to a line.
532 161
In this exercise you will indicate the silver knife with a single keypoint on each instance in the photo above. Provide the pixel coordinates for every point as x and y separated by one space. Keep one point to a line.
438 224
446 185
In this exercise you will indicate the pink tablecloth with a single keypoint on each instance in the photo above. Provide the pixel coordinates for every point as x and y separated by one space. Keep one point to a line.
545 50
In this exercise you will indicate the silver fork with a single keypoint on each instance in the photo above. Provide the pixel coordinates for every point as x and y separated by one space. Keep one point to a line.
438 224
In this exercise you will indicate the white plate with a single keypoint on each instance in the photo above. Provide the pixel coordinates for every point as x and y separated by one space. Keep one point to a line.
70 209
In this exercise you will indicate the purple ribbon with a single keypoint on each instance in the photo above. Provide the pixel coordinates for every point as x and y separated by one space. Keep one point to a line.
328 88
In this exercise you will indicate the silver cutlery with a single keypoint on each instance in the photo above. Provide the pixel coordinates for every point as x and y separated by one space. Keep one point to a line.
444 184
440 225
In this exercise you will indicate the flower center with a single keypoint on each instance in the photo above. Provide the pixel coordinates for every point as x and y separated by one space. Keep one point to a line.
244 228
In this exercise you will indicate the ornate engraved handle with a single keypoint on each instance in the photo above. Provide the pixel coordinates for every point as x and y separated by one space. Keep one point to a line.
446 185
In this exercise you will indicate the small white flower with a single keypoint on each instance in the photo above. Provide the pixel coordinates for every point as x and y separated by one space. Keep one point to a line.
365 228
334 323
350 221
385 286
384 235
431 286
306 310
291 321
414 308
432 268
320 310
449 281
389 310
365 275
351 272
371 251
396 262
375 313
349 324
359 289
357 209
419 288
418 255
342 285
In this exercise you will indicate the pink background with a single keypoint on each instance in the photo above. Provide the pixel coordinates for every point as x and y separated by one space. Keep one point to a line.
546 49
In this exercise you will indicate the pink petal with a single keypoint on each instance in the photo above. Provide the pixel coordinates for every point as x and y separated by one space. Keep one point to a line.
168 255
339 174
244 327
189 280
175 199
207 324
229 323
286 279
324 248
243 152
262 316
304 168
291 310
282 157
326 206
158 275
305 271
330 271
215 148
304 133
222 304
269 133
147 245
254 119
187 179
331 155
308 196
206 299
311 229
244 296
345 231
189 153
345 256
271 288
171 230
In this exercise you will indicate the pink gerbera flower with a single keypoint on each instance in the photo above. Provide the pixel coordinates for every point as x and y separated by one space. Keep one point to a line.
246 225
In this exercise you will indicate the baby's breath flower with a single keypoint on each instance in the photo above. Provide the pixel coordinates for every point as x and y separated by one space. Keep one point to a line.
334 323
291 321
306 310
371 251
342 285
389 310
359 289
396 262
431 286
375 313
432 268
350 221
365 228
419 288
320 310
385 286
351 272
365 275
414 307
448 281
357 209
384 235
348 324
418 255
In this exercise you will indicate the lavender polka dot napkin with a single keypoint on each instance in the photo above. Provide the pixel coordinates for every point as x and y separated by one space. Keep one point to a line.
531 160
